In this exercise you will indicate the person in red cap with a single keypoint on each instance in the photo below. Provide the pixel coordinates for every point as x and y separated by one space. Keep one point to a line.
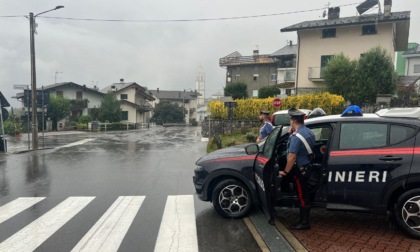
267 127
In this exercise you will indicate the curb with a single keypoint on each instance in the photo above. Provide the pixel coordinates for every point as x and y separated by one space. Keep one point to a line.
290 238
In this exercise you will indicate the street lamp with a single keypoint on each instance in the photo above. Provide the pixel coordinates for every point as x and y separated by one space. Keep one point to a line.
33 75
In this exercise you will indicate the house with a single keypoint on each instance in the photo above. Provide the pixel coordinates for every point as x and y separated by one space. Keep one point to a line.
82 98
401 60
255 71
186 99
319 40
286 69
412 60
135 101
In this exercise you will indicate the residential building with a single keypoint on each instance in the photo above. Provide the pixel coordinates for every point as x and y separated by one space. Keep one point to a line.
286 69
185 99
82 98
412 60
135 101
255 71
319 40
401 60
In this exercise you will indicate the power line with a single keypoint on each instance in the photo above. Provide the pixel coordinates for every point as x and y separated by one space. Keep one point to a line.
10 16
190 20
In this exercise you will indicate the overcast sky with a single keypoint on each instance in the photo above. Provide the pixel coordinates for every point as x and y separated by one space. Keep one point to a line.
163 55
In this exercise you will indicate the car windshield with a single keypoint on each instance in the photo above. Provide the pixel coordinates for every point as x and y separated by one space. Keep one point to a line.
282 119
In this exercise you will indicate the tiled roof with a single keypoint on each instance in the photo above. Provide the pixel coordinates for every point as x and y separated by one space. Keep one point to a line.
71 84
348 21
123 85
175 95
287 50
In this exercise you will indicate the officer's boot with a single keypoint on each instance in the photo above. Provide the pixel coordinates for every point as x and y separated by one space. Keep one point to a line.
303 224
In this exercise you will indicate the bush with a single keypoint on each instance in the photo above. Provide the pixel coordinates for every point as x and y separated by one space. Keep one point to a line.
251 137
12 129
85 119
81 126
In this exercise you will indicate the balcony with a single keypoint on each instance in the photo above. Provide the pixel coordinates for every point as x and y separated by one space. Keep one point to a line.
316 74
78 104
289 75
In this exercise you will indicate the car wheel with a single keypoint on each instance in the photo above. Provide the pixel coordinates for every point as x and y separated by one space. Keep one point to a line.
407 212
231 199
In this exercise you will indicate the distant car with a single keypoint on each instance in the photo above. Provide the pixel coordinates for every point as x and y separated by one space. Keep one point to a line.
365 162
282 117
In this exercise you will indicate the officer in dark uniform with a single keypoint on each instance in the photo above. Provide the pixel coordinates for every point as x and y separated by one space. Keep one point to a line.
299 151
267 127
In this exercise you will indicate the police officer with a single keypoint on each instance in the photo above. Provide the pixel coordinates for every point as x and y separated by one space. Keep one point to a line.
299 151
267 127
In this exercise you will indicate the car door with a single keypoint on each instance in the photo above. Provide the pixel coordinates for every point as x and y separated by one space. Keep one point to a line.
366 159
265 173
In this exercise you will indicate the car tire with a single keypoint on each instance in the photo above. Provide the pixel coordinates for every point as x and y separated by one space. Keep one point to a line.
231 199
407 212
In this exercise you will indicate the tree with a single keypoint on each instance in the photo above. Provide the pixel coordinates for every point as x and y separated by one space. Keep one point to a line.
237 90
375 75
58 109
361 81
339 76
110 109
166 112
268 91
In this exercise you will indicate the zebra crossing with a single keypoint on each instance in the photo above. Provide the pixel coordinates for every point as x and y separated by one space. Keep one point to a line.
177 229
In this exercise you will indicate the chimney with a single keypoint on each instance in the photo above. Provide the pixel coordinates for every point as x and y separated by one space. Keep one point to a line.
113 88
255 53
387 8
157 90
95 88
290 43
334 13
122 80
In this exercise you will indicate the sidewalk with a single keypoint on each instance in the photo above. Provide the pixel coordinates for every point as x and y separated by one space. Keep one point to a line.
346 231
22 143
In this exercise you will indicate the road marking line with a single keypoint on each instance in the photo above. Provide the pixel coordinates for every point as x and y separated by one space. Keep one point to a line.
34 234
16 206
77 143
178 230
109 231
256 235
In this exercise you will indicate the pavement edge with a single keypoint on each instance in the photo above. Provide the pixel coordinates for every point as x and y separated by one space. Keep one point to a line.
290 238
256 235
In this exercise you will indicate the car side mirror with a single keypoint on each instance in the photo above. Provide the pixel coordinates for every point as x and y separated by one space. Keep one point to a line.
252 149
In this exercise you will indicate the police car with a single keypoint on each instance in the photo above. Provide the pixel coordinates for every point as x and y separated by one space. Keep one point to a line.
365 162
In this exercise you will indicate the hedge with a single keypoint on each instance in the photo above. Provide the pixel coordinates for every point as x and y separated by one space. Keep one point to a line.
249 108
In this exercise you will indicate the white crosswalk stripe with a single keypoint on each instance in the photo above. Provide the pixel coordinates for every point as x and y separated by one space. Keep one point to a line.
34 234
108 233
178 230
13 208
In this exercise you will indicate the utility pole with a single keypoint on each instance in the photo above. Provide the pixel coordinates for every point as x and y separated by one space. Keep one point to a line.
33 76
33 83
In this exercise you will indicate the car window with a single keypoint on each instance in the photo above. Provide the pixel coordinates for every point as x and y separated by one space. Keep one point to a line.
270 143
363 135
322 133
400 133
282 119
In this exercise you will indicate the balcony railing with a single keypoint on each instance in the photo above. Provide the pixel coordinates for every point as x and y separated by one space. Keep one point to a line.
289 75
78 104
316 73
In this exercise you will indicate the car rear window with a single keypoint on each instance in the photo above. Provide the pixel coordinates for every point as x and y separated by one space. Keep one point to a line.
400 133
363 135
281 119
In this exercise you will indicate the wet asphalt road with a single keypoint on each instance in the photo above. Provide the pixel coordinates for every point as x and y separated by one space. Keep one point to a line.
153 163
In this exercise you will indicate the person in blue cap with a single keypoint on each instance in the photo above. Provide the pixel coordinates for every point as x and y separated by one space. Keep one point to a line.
267 127
299 157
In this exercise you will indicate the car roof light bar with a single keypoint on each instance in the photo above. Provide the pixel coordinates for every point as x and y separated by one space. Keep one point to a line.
352 111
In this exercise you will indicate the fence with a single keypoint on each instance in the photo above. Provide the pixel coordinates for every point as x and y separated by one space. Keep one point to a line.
98 126
219 126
